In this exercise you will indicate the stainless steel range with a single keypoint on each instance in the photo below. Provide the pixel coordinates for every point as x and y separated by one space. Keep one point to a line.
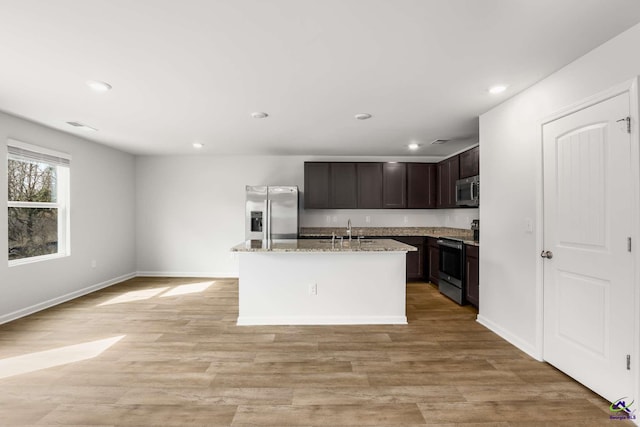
451 281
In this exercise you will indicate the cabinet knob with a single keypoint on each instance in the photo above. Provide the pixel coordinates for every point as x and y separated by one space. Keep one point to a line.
546 254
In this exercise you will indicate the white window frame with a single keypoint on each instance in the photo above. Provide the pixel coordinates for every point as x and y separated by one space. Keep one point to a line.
62 162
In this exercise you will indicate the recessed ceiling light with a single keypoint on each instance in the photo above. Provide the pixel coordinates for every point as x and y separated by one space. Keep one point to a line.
413 146
363 116
439 141
82 126
197 145
494 90
259 115
99 86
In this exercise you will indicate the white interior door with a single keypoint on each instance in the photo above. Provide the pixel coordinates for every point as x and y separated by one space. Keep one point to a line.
588 281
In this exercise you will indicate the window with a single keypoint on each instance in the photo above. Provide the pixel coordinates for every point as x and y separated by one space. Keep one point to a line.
38 203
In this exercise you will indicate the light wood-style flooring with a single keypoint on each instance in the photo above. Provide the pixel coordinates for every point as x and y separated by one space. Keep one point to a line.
177 358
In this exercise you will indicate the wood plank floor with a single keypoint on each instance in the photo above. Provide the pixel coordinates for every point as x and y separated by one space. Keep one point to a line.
157 351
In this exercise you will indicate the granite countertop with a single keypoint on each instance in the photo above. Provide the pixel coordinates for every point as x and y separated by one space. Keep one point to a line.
324 245
457 233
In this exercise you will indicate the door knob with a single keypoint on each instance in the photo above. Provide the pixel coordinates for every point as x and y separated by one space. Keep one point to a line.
546 254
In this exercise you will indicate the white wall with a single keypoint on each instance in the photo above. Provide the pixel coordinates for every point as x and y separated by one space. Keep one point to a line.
190 209
102 223
510 160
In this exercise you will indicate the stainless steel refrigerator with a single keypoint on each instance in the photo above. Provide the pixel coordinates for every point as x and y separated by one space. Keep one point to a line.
271 213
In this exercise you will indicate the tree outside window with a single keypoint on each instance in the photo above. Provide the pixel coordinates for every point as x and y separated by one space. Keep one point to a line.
37 205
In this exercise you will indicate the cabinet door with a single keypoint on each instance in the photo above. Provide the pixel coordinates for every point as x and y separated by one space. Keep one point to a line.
415 259
369 185
394 185
470 163
343 186
443 184
433 259
415 263
472 275
421 185
316 185
454 175
448 174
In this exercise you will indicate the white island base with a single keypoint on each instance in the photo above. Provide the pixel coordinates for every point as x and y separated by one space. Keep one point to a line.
322 288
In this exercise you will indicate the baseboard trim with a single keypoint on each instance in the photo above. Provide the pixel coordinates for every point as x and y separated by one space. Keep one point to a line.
321 320
509 337
64 298
186 274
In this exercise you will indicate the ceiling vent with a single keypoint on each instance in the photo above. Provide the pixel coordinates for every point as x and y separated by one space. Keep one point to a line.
440 141
81 126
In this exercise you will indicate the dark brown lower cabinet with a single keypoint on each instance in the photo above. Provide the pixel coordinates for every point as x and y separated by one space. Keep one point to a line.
415 259
472 275
433 260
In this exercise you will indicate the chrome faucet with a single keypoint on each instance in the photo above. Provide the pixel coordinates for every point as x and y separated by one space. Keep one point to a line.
349 229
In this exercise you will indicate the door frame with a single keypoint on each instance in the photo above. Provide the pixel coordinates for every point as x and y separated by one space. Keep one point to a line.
630 87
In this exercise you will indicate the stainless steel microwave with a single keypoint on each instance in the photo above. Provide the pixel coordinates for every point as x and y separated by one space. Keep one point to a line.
468 191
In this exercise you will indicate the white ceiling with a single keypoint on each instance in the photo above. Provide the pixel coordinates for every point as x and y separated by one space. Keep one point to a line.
194 70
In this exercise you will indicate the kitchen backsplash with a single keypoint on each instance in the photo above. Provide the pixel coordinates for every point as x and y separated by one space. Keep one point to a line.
455 218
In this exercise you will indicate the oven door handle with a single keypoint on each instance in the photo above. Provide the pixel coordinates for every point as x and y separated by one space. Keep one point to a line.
450 245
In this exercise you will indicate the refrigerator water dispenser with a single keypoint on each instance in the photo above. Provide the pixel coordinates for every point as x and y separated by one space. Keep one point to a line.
256 221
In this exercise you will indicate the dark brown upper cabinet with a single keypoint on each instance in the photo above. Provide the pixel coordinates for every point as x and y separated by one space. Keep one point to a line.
344 186
470 163
422 187
448 174
394 185
317 185
369 185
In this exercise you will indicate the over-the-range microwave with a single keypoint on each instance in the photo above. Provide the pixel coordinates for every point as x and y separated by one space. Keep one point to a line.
468 191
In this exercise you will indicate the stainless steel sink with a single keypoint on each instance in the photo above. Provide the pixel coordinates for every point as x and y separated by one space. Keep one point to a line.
345 242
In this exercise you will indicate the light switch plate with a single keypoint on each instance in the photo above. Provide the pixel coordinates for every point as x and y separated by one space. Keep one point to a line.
528 225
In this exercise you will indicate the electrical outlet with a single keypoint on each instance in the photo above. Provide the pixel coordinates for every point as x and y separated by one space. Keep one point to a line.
328 219
367 219
406 219
94 263
335 218
313 289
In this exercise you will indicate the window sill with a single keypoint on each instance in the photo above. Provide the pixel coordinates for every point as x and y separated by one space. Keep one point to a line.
31 260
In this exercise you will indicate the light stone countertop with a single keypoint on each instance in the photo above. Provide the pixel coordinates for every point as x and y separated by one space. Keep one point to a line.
324 245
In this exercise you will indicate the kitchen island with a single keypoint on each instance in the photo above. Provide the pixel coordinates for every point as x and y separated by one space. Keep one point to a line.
320 282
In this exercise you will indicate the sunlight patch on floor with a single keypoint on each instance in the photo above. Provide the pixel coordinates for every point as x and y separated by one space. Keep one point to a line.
191 288
135 296
58 356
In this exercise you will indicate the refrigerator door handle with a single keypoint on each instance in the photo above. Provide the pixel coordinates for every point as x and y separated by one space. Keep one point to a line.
267 233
